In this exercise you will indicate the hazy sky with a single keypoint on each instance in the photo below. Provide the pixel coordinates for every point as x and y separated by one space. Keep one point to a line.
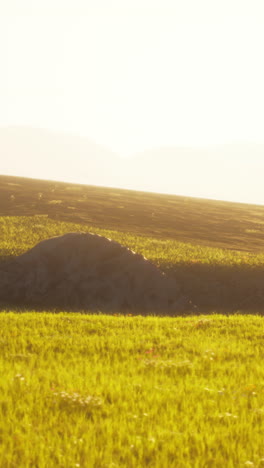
134 75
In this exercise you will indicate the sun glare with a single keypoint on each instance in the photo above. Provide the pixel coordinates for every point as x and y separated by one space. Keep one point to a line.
139 78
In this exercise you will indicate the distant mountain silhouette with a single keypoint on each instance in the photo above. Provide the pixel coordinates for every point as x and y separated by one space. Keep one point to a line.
230 172
49 155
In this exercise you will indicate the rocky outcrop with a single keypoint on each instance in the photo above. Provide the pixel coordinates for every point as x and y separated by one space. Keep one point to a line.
84 271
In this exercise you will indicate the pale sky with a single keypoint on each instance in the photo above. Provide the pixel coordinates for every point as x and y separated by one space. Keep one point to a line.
135 75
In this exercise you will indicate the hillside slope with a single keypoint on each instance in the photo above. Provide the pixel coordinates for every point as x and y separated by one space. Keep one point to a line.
199 221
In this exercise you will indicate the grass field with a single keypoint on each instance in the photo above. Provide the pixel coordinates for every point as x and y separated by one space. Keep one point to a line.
101 391
80 390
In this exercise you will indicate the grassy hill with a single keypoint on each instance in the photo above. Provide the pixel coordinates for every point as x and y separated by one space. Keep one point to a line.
97 391
197 221
214 249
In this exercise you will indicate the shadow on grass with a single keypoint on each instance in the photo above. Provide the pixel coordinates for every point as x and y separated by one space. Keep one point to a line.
223 289
211 288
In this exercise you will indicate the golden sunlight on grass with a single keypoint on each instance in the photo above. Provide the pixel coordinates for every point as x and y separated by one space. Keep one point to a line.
125 390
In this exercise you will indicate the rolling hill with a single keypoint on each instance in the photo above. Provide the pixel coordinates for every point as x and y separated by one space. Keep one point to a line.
198 221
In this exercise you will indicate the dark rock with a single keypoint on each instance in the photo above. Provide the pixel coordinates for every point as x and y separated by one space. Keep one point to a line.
85 271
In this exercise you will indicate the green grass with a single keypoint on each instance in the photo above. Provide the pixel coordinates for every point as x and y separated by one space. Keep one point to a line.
103 391
98 391
21 233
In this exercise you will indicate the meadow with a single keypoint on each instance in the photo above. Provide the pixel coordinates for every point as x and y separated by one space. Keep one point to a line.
95 390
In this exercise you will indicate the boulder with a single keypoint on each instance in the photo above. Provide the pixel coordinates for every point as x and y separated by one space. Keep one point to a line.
85 271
